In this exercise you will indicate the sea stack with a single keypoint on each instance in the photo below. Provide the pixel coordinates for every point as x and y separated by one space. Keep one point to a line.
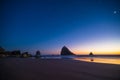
90 54
66 51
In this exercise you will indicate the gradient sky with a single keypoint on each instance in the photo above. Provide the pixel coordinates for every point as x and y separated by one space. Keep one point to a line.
48 25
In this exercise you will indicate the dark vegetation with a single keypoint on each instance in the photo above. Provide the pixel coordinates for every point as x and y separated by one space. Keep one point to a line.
15 53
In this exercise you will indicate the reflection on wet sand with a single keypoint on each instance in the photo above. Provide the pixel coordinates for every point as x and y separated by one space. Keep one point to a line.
91 59
100 60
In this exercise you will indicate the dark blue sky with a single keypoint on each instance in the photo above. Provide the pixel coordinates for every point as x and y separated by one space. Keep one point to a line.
47 25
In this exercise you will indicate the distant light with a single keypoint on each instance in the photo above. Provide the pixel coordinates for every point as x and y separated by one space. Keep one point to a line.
115 12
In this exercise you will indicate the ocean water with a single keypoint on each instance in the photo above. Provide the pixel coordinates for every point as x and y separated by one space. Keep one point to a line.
107 60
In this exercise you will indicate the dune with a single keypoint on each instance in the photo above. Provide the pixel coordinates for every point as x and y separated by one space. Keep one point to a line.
56 69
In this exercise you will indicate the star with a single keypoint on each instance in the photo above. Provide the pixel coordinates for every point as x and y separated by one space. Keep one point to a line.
115 12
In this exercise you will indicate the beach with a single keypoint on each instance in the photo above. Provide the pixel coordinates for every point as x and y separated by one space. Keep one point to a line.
56 69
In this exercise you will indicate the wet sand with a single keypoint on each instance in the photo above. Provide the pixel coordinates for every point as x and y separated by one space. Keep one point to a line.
56 69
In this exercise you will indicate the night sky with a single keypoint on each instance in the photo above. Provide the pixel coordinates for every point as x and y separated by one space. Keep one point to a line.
48 25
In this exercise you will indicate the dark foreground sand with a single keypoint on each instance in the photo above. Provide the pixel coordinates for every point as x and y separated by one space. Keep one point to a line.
56 69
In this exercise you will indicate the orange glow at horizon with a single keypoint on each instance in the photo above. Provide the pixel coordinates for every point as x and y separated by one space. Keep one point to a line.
99 47
95 52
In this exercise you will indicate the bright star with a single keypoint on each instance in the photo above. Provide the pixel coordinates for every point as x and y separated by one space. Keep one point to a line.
115 12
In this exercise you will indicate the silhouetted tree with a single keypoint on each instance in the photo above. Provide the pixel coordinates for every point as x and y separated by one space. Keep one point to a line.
2 49
7 53
16 52
2 52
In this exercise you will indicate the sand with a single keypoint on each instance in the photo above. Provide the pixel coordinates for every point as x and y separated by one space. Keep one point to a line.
56 69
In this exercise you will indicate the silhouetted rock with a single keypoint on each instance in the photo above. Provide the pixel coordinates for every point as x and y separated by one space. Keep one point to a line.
66 51
91 54
38 54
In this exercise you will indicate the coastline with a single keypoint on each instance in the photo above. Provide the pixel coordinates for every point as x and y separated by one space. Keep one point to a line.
56 69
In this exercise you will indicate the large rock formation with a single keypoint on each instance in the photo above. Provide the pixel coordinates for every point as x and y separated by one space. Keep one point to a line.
38 54
66 51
